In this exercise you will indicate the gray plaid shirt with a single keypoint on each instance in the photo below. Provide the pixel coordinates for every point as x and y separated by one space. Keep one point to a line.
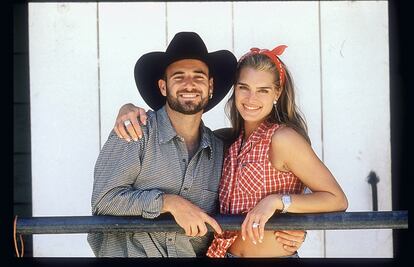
130 179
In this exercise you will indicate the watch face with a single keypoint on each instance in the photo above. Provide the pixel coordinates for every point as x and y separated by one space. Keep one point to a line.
286 199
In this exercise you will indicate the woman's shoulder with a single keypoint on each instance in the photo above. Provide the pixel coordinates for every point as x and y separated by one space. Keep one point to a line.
286 136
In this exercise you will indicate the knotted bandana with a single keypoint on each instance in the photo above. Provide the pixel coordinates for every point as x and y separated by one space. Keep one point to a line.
273 55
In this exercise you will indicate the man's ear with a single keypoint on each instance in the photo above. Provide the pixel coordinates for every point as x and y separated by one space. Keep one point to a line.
211 85
162 85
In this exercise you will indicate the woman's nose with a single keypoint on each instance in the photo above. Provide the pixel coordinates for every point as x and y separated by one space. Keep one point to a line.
251 95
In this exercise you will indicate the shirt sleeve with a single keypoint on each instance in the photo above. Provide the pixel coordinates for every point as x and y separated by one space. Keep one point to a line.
116 170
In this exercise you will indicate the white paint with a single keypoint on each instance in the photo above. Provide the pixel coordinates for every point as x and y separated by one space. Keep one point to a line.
61 245
66 95
366 243
356 115
64 115
126 31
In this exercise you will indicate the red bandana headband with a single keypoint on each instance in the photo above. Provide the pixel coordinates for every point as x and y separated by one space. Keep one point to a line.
273 55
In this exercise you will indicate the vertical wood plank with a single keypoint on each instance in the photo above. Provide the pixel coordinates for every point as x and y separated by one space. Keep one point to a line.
126 32
64 116
357 116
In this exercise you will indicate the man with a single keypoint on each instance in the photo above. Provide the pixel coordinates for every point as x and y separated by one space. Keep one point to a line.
176 166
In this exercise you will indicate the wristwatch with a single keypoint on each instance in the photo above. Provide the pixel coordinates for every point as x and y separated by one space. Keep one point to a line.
286 200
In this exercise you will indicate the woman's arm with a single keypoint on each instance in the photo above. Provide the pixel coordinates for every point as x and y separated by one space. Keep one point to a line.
290 152
132 130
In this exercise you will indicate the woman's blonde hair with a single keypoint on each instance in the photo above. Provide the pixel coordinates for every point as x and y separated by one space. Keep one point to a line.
285 112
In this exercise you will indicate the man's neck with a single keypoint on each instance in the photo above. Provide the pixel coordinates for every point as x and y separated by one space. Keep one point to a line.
186 126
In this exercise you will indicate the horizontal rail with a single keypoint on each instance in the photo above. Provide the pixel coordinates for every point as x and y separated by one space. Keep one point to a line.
166 223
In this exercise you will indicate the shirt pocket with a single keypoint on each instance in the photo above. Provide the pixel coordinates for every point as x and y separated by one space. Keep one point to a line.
250 179
209 201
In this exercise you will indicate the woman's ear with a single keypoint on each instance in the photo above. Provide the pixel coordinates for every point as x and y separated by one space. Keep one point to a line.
162 85
278 92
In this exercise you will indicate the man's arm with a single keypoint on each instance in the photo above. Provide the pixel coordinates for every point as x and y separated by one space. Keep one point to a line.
189 216
116 171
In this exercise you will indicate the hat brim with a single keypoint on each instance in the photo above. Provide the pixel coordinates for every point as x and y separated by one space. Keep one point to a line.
151 67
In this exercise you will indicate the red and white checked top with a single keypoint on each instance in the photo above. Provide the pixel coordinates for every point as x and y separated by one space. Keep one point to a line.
248 176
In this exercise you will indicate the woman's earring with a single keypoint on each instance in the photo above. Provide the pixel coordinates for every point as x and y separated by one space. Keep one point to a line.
276 112
211 95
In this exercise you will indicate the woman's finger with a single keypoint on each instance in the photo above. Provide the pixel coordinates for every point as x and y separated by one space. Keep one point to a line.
256 224
243 227
262 229
249 229
121 130
142 116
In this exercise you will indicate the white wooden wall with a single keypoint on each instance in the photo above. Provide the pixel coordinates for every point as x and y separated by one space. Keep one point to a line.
82 57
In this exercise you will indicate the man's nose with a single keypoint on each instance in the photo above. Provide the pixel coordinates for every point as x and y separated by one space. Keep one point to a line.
189 82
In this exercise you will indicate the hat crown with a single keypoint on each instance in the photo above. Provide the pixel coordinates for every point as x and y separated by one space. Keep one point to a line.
151 67
186 45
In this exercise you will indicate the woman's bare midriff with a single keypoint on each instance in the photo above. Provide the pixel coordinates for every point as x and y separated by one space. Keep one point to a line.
270 247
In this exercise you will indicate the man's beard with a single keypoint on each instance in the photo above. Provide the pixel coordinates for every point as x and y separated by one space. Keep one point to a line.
188 107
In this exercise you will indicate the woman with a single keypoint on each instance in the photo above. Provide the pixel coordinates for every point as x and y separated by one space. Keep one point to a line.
267 168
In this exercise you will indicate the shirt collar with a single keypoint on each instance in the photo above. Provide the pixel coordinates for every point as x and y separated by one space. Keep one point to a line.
164 126
167 131
261 132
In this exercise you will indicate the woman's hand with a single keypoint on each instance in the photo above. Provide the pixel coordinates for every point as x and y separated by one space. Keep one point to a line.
254 223
126 123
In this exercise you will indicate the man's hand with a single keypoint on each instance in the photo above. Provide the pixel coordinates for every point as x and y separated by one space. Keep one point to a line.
187 215
291 239
131 113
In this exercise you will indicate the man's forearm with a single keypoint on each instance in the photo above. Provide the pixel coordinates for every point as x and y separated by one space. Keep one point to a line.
130 202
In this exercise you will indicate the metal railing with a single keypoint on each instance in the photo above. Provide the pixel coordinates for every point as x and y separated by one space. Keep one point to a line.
165 223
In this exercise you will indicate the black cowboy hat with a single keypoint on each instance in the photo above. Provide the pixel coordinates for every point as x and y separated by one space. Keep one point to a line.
185 45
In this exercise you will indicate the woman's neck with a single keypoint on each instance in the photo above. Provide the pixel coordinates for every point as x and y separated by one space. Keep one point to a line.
250 127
